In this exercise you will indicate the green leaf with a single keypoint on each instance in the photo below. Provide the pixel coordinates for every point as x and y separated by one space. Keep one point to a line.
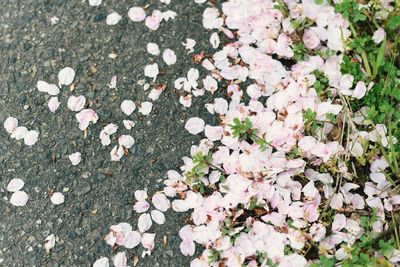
379 59
394 22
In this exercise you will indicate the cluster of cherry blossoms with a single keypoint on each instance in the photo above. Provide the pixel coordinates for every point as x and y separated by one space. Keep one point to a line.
277 180
260 184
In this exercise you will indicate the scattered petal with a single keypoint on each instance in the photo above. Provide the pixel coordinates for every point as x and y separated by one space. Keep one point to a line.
57 198
53 104
10 124
169 57
113 18
194 125
66 76
145 108
19 199
75 158
31 138
128 106
15 185
76 103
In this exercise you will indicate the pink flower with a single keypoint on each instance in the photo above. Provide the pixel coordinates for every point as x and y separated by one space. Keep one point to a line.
153 22
187 247
360 90
161 202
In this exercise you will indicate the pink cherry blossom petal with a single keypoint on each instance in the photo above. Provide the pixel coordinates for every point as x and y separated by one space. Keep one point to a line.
31 138
102 262
161 202
10 124
113 18
75 158
15 185
157 216
136 14
148 241
19 199
57 198
66 76
144 222
76 103
195 125
169 57
128 106
53 104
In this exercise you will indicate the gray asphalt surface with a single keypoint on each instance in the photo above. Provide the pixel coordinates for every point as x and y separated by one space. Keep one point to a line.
100 192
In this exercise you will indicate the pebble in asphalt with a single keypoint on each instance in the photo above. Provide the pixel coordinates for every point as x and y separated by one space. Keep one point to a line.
98 192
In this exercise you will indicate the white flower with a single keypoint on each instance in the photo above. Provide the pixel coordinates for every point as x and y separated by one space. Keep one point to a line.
113 18
75 158
157 216
169 57
128 106
66 76
57 198
19 133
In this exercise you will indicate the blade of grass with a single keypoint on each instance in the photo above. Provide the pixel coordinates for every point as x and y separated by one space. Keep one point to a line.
379 59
